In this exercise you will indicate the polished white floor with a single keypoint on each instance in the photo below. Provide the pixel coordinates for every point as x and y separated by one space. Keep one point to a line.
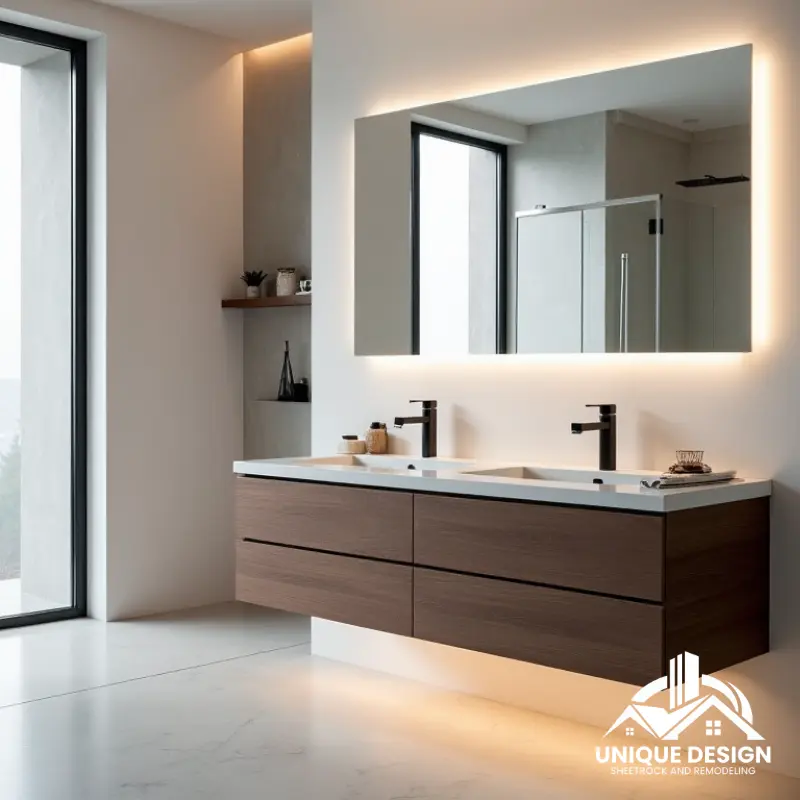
227 704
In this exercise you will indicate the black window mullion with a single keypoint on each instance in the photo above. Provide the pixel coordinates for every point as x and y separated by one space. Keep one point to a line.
79 491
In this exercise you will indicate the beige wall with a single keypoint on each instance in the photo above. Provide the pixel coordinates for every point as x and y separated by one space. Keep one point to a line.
743 410
166 245
277 233
382 196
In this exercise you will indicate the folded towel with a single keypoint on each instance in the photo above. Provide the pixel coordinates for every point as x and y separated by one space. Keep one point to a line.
669 480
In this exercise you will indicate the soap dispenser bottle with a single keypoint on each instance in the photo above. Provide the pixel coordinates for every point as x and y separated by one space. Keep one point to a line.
377 439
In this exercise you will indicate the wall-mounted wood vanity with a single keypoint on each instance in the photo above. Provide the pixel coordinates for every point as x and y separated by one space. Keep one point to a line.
602 592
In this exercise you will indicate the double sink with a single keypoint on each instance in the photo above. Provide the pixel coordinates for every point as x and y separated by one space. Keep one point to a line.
467 467
510 481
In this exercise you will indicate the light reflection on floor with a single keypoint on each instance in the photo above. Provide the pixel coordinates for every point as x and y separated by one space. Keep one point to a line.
226 703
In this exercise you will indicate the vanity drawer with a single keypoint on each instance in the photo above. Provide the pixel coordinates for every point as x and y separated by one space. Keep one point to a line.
341 519
580 548
370 594
616 639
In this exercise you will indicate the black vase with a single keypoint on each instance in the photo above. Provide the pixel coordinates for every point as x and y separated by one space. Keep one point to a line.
286 388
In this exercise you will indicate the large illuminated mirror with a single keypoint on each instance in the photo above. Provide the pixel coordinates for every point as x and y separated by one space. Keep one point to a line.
608 213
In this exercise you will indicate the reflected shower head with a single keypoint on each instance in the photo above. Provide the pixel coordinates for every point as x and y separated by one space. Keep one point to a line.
712 180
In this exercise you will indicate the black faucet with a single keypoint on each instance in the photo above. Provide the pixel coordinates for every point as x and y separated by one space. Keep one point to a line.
428 422
608 434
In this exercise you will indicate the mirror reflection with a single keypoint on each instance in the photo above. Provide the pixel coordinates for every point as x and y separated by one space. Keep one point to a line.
603 214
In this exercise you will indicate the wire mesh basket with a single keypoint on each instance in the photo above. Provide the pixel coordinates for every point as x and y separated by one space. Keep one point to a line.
690 458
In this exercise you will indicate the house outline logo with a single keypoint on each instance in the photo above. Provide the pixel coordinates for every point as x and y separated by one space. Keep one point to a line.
687 704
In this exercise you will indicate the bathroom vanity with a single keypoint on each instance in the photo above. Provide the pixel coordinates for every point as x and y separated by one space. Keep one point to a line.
539 565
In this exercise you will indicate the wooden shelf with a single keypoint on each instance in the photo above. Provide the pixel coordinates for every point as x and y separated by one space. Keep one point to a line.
268 302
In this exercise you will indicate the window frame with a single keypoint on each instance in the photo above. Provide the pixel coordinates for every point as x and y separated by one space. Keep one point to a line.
78 50
418 130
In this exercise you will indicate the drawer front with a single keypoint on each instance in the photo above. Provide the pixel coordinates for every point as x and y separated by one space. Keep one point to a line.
616 639
578 548
369 594
342 519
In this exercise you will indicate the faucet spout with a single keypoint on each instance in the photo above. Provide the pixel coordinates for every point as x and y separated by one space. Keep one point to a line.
400 421
584 427
428 420
607 426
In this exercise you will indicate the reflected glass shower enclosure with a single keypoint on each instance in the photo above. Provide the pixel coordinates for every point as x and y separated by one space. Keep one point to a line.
629 275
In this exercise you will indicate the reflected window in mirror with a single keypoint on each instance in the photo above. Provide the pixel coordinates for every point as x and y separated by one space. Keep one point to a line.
458 243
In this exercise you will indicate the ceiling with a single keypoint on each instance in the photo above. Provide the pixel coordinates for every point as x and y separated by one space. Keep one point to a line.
713 90
254 23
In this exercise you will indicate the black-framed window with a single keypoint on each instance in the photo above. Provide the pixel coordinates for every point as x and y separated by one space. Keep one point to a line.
459 243
43 326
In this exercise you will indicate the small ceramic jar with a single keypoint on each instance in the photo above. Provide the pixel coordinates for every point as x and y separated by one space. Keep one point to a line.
352 445
253 292
377 440
286 282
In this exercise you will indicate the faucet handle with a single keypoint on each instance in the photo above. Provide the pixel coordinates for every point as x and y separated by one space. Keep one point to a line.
605 408
425 403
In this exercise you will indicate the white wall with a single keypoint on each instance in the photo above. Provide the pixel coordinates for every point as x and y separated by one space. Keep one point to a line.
519 407
166 245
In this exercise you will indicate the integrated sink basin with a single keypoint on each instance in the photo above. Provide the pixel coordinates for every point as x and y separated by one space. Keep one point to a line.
566 475
393 463
509 481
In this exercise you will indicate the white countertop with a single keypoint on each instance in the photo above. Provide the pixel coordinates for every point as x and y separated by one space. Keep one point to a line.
448 478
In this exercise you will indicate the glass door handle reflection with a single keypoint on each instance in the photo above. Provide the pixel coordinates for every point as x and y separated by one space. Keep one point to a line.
623 302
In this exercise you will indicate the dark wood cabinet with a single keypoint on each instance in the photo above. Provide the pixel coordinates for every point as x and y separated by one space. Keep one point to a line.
601 636
609 552
370 594
717 582
603 593
321 516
